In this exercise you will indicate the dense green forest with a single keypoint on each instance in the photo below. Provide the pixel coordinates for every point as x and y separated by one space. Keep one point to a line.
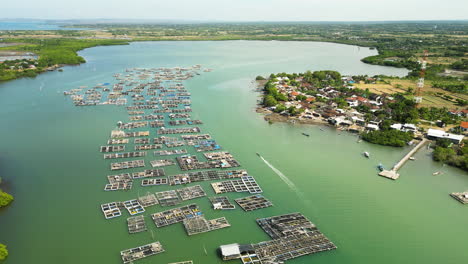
453 155
392 137
51 52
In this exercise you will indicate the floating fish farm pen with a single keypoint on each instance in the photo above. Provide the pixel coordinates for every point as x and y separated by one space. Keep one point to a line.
185 130
111 210
149 173
133 207
162 163
192 192
122 155
221 203
244 184
170 152
253 202
153 182
148 200
132 254
183 262
175 215
117 141
141 141
112 148
148 147
292 235
199 224
168 198
136 224
164 139
127 165
174 144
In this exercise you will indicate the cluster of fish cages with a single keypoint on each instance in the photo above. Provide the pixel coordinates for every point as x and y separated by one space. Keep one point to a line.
159 104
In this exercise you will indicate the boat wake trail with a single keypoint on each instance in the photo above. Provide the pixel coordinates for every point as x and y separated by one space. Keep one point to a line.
281 175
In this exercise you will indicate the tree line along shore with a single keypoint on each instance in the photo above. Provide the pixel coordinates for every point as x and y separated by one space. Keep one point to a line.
399 44
386 119
5 199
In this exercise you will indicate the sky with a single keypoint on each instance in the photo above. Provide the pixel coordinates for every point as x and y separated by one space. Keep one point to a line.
238 10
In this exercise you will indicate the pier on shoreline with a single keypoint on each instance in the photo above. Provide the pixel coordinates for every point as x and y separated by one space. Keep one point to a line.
393 173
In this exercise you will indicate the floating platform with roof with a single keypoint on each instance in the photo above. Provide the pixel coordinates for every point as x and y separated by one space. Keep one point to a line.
221 203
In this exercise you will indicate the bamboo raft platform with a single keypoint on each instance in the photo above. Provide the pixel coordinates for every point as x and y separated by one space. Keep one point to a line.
132 254
184 130
199 224
111 148
192 192
221 203
110 210
122 155
118 186
127 164
148 147
135 113
162 163
254 202
154 182
175 215
136 224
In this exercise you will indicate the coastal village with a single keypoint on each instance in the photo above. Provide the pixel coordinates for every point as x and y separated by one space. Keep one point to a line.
159 121
327 98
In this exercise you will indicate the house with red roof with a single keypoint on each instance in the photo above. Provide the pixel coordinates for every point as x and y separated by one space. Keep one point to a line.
464 126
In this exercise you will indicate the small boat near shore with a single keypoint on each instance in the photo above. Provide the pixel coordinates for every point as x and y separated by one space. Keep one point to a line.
412 158
366 154
380 167
305 134
437 173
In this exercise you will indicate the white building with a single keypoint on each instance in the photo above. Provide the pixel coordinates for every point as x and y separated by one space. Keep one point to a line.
440 134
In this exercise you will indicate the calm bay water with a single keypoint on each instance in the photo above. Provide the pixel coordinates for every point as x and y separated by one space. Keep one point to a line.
50 161
32 25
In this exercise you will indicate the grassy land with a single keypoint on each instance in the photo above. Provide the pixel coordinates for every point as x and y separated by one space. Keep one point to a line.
432 96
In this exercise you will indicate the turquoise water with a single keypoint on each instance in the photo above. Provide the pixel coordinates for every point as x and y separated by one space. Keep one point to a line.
50 161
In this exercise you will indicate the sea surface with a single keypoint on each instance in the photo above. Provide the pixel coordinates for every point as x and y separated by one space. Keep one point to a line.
50 162
32 25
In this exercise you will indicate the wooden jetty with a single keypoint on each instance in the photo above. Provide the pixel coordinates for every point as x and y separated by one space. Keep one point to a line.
393 173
